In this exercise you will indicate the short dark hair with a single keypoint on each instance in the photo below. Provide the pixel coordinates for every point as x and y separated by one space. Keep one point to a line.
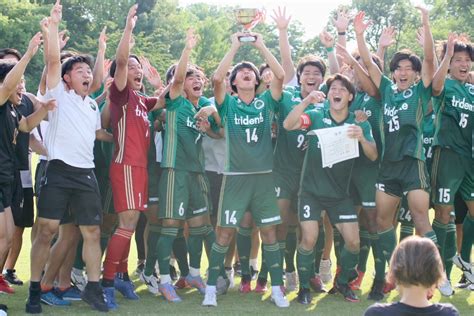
10 51
312 60
416 261
262 68
69 63
345 82
237 68
113 67
460 45
65 54
192 70
405 54
5 67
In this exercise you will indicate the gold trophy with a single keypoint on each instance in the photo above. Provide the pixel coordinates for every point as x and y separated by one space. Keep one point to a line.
248 18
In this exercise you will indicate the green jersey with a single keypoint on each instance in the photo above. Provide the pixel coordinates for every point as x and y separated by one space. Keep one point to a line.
248 133
182 148
428 136
454 109
403 113
331 182
103 151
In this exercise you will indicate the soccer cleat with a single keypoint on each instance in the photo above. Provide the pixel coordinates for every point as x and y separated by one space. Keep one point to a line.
355 285
230 276
78 279
33 303
181 283
376 292
304 296
140 267
261 286
388 287
169 293
151 282
196 282
222 285
3 310
11 277
279 298
253 273
325 270
109 293
173 273
126 288
237 268
5 287
245 286
291 281
210 298
52 298
95 299
316 284
445 288
346 291
70 294
463 283
465 267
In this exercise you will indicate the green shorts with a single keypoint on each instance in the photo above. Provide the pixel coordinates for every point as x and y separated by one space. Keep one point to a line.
287 185
182 194
399 177
451 173
310 208
154 174
364 177
250 192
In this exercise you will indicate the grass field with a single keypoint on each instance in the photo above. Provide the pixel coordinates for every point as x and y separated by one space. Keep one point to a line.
233 303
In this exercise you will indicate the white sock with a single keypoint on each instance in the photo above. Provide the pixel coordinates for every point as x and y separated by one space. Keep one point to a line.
194 272
254 264
211 289
172 262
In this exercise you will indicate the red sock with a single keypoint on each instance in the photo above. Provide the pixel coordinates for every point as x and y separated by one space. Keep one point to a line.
117 246
123 265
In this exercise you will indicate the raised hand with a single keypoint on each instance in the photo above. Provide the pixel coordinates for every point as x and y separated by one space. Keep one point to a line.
103 39
387 38
280 18
450 44
63 39
359 25
361 116
107 64
191 39
342 21
234 38
346 57
34 44
316 97
56 12
423 10
44 25
258 40
132 17
151 74
326 39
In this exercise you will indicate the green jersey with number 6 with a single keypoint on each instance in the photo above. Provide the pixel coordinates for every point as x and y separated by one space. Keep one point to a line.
454 109
403 113
182 148
329 182
248 133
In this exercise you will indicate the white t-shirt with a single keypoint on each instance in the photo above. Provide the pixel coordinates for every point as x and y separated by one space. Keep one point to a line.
71 132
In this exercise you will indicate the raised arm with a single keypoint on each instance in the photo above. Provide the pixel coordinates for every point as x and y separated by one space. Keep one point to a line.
276 86
429 61
13 78
360 26
328 41
442 72
341 24
179 77
27 124
294 121
53 76
282 21
123 50
387 38
98 72
218 79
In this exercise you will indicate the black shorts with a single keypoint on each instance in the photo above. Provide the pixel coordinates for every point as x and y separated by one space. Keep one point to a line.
22 203
215 183
39 173
460 209
5 195
69 189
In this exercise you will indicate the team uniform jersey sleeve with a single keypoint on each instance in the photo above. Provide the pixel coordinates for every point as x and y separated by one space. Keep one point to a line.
385 83
425 94
222 108
269 101
310 119
367 130
118 98
150 102
173 104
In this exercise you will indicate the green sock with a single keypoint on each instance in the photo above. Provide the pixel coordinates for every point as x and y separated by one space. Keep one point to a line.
244 243
195 240
379 259
449 248
349 262
180 250
406 229
467 237
305 264
318 249
440 230
290 250
164 247
78 262
273 258
154 232
209 238
263 273
216 262
387 241
338 245
364 250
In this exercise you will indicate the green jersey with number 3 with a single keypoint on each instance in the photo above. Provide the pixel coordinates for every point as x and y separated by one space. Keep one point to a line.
403 113
248 133
454 109
329 182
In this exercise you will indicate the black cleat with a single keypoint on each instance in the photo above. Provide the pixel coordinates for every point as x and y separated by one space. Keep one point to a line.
173 273
304 296
12 278
376 292
347 292
33 304
95 298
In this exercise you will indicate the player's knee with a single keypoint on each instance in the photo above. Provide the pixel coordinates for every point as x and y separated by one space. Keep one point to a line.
353 245
308 241
91 233
224 236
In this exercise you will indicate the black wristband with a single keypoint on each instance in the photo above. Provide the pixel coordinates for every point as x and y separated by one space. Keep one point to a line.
341 33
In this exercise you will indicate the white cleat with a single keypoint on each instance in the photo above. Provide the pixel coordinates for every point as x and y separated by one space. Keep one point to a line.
325 270
210 298
291 281
152 283
279 298
465 267
445 288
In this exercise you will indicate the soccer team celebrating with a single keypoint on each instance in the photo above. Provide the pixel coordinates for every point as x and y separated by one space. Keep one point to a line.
207 173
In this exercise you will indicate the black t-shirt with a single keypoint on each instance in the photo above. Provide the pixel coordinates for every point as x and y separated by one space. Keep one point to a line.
23 139
9 118
400 309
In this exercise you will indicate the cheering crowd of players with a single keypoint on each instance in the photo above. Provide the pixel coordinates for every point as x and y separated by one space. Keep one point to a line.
209 173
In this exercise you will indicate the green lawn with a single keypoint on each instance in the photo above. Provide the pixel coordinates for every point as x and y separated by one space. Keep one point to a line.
232 303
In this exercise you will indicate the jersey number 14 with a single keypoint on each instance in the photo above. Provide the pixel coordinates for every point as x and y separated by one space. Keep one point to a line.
251 135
